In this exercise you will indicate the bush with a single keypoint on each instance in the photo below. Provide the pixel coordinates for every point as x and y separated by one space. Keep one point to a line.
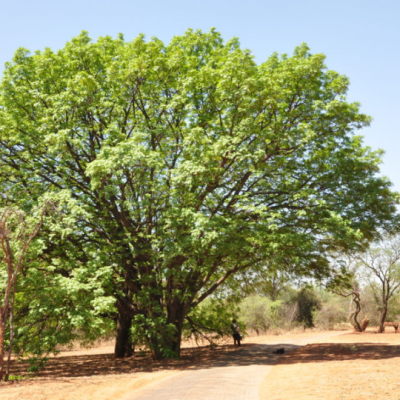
329 315
370 307
308 302
259 313
287 315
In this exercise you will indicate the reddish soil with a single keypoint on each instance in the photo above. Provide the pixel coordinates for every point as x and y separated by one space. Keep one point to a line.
95 374
348 367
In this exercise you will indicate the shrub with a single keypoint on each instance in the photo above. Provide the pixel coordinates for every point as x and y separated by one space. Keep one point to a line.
259 313
329 315
308 302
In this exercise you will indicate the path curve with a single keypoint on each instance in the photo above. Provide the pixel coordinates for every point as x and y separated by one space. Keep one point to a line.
234 376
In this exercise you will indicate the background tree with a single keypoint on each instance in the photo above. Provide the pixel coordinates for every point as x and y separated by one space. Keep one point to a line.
16 235
308 303
258 313
332 311
187 163
353 317
381 265
345 282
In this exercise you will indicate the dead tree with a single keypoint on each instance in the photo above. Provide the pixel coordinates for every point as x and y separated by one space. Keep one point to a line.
15 237
381 265
353 318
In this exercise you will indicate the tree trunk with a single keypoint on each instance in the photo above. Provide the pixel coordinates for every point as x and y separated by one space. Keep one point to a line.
123 340
12 334
354 315
169 345
383 318
175 342
2 328
176 316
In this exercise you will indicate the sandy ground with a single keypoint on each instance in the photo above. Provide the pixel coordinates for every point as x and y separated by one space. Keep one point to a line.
346 367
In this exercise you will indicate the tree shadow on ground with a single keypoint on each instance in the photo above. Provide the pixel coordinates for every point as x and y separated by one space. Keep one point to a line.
64 366
262 354
209 357
322 352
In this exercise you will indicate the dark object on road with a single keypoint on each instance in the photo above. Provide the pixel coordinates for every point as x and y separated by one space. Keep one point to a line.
279 351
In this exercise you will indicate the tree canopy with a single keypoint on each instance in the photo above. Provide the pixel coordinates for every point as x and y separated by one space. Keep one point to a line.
183 164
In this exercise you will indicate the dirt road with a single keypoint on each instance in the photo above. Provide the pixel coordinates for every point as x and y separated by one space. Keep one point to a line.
235 376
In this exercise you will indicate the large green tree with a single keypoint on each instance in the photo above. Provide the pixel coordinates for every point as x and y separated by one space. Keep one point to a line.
186 163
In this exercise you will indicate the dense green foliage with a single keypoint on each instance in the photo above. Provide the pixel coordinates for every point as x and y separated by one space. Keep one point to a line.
211 320
39 309
179 166
259 313
308 302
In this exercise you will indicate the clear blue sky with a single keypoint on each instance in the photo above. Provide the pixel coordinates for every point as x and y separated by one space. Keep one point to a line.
361 39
